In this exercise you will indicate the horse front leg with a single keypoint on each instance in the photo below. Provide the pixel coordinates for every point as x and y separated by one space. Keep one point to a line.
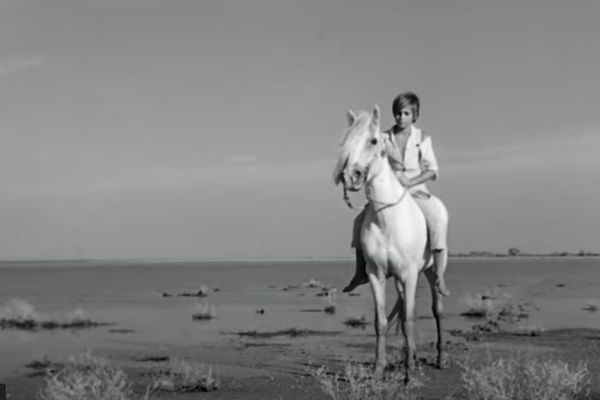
398 309
410 348
378 290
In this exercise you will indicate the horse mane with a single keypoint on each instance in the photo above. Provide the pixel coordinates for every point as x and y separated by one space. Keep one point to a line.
362 121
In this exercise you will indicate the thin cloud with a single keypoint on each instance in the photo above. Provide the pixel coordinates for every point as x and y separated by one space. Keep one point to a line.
7 3
169 179
242 159
580 150
17 64
241 174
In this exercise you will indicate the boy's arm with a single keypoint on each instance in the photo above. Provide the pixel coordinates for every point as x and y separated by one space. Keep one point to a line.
409 182
428 163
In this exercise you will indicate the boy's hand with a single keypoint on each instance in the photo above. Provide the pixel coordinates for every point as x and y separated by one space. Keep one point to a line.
404 180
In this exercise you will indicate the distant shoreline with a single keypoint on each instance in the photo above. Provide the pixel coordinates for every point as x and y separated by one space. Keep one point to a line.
474 255
524 255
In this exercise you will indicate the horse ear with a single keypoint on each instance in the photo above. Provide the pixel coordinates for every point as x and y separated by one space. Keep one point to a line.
351 117
376 115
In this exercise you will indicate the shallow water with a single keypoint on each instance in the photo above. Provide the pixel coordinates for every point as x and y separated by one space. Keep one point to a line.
129 295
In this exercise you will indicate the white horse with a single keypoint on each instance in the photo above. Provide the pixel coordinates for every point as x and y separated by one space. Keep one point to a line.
393 235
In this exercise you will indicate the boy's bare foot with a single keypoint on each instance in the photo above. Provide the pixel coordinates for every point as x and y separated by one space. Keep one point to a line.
440 286
355 282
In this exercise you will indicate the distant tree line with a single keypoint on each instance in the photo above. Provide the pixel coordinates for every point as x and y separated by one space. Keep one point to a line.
516 252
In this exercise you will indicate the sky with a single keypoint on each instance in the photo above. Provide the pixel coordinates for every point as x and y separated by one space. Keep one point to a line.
208 130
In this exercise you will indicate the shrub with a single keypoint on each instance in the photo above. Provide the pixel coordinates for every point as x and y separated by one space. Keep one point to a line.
521 379
329 299
497 309
179 375
591 307
357 322
78 317
41 363
549 380
204 311
357 382
86 377
313 283
20 314
486 305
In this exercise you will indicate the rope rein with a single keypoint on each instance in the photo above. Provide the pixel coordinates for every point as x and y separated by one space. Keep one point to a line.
347 199
372 201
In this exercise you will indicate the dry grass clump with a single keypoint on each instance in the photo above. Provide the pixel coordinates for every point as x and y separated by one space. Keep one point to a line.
291 332
40 362
358 382
356 322
313 283
19 310
180 375
329 300
529 328
89 377
86 377
41 366
78 316
204 311
591 307
486 305
497 311
517 378
202 292
20 314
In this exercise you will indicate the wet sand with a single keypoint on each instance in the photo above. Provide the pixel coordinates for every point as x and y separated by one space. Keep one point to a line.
277 368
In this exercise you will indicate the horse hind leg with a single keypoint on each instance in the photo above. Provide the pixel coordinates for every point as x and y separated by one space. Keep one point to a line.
378 290
437 308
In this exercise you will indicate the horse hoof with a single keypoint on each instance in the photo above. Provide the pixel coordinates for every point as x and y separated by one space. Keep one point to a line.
411 365
443 362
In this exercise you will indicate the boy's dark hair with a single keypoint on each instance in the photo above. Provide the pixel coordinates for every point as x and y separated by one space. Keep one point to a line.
407 99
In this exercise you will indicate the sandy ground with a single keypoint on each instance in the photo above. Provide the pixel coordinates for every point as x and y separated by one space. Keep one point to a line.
277 368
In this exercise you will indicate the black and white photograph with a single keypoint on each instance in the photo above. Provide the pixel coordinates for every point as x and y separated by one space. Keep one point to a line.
276 199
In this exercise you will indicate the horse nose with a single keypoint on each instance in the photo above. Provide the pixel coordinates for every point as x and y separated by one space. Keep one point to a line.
355 177
352 177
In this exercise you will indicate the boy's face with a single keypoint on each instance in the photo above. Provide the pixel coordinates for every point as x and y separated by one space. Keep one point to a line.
405 118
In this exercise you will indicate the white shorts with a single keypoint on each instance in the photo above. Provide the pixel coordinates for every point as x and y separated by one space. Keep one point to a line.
436 217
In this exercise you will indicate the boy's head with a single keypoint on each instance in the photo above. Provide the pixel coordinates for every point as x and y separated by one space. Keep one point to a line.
406 100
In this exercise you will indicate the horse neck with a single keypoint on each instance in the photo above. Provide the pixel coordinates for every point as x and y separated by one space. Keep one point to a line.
384 187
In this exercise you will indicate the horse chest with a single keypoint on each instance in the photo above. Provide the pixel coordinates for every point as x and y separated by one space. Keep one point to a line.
387 252
392 249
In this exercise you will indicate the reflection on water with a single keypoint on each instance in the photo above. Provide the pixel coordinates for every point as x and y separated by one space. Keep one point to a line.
130 296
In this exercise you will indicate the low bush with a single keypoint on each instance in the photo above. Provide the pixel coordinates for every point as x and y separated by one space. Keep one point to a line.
518 378
358 382
179 375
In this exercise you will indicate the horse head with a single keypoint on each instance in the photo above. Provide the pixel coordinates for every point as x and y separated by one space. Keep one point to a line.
360 148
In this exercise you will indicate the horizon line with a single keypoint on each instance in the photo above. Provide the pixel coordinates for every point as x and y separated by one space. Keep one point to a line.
471 254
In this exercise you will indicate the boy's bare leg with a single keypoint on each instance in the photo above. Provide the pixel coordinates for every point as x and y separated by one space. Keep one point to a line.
440 259
360 274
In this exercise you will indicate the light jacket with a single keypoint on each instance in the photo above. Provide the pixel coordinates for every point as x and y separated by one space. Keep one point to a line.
412 154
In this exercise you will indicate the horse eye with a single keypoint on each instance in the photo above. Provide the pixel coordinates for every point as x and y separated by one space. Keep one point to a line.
374 141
